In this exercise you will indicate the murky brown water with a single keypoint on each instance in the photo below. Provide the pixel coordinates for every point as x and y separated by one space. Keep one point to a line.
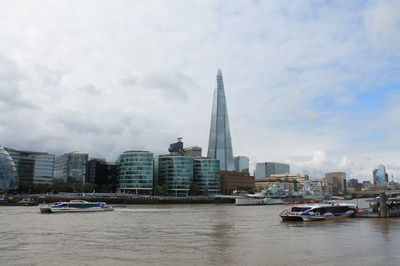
192 235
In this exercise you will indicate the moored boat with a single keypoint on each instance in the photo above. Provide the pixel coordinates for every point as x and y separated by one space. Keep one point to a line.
322 211
75 206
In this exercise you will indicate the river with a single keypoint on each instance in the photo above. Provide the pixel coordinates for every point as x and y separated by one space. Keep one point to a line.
203 234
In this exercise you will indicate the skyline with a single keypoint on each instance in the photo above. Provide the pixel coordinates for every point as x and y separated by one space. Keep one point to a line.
312 85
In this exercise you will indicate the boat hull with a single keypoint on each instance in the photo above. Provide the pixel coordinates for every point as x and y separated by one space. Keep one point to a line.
307 218
65 210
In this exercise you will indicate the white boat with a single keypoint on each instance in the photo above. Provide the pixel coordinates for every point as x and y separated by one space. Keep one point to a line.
249 201
75 206
322 211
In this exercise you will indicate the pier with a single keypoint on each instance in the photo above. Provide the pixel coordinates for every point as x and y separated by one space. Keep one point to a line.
381 207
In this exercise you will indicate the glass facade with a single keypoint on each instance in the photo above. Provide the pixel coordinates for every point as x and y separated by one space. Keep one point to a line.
135 172
242 164
176 172
267 169
102 173
8 171
33 167
220 144
380 175
44 168
206 175
71 168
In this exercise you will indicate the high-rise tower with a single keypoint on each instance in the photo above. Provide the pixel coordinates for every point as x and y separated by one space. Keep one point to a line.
220 144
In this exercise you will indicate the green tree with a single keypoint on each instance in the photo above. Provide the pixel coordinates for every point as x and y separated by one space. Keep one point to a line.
194 189
89 187
205 192
160 190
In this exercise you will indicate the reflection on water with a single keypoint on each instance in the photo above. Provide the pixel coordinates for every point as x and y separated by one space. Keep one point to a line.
193 235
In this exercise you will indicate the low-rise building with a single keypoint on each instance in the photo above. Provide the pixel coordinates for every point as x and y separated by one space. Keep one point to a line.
233 180
291 182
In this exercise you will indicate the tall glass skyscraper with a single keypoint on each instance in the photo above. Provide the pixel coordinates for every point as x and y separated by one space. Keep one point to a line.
220 144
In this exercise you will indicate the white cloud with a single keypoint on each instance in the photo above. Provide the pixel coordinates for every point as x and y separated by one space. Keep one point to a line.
105 77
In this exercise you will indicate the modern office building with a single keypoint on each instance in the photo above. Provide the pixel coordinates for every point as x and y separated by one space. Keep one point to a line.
353 183
192 151
102 173
379 175
233 180
33 167
135 172
206 175
267 169
44 168
335 183
242 164
176 173
8 171
71 168
220 144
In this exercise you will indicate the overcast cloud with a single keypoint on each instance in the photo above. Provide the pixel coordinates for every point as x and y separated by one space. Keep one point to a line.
312 83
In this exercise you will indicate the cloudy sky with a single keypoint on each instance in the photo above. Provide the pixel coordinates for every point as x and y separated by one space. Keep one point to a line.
312 83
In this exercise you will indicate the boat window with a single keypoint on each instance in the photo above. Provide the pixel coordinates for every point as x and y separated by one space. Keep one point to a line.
299 209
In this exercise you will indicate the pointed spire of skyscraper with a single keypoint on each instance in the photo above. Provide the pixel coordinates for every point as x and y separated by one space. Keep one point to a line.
220 144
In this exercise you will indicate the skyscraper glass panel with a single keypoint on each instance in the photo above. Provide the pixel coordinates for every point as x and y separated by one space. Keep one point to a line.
176 173
135 172
220 144
206 175
8 171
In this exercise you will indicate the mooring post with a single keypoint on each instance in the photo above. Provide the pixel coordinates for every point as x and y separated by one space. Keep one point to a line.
382 205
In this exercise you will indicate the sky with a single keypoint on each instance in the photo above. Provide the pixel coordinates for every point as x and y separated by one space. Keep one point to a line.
315 84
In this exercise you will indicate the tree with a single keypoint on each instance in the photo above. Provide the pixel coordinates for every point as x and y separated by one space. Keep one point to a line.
160 190
205 192
89 187
194 189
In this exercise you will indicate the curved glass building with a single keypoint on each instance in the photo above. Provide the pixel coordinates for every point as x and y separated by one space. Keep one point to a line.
176 172
135 172
206 175
8 171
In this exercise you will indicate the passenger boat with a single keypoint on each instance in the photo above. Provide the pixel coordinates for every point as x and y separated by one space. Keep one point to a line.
322 211
75 206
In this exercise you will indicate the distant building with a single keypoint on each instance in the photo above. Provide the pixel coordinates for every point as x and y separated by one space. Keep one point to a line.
176 148
379 175
8 171
335 183
103 174
71 168
291 182
135 172
33 167
366 184
267 169
242 164
233 180
353 183
220 143
192 151
176 173
206 175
